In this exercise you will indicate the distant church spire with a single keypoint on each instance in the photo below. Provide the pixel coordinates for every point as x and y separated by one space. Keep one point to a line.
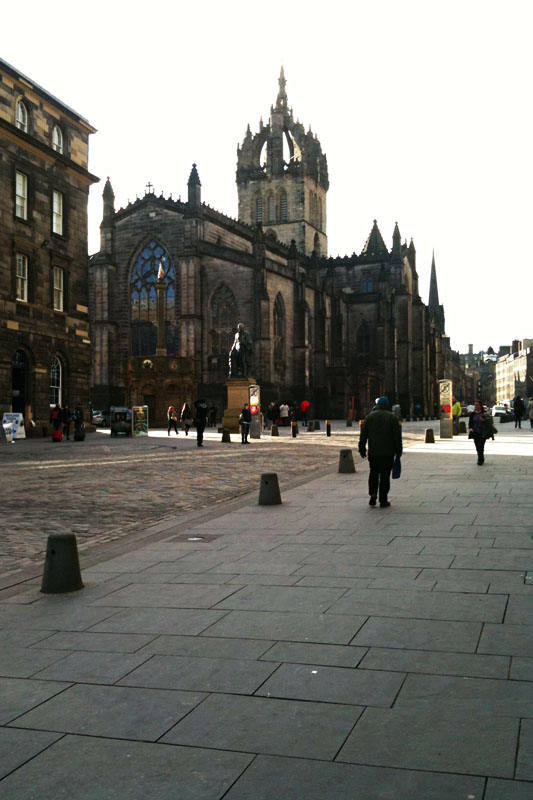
194 188
282 100
433 288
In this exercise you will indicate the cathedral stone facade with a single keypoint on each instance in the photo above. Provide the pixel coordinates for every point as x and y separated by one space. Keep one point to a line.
337 331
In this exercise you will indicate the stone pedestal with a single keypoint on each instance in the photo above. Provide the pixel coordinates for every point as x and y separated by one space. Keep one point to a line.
238 395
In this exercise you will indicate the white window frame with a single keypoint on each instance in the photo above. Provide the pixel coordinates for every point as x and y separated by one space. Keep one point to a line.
56 388
22 276
22 117
59 288
21 195
57 139
57 212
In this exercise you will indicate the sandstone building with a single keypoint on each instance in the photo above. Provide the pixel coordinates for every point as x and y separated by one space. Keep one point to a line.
339 331
44 303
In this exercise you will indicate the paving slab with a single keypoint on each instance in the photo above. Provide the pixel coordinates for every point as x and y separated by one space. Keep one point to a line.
103 642
200 674
333 685
419 634
18 695
53 616
498 789
112 711
208 647
136 770
519 611
524 765
294 778
282 598
511 640
23 662
288 626
427 605
173 595
443 742
18 746
521 669
437 663
437 693
159 620
325 654
92 667
266 725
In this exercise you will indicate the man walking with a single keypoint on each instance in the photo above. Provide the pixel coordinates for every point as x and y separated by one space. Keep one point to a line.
383 433
201 411
519 408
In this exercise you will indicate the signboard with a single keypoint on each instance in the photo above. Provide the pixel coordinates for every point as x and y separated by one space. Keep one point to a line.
445 402
139 420
15 422
254 393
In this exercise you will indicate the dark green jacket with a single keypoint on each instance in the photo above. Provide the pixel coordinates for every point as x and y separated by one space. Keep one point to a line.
383 433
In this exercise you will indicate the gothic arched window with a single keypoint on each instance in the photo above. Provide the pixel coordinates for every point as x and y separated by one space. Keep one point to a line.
279 333
283 206
57 139
144 303
367 284
222 321
271 208
56 382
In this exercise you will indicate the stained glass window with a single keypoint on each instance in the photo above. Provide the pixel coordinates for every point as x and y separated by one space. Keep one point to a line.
144 302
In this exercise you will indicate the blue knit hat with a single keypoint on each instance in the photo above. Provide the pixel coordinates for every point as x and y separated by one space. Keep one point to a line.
383 402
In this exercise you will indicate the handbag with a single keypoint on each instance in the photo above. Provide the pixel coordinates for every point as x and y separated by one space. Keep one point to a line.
397 467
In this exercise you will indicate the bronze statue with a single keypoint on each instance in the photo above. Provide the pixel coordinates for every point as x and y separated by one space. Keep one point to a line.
240 355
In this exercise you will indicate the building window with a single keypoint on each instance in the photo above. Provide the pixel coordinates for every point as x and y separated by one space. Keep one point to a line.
57 213
57 139
22 117
22 277
59 282
222 321
259 209
143 301
56 375
279 333
367 284
271 208
284 211
21 195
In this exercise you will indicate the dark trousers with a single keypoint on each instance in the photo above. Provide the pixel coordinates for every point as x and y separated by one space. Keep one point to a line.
479 442
379 478
200 428
531 421
66 429
245 430
172 423
517 420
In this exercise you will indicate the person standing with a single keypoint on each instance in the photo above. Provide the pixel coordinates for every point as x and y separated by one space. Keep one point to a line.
186 418
284 413
200 421
519 408
530 411
383 433
172 418
57 424
304 412
244 421
479 429
66 419
456 415
213 410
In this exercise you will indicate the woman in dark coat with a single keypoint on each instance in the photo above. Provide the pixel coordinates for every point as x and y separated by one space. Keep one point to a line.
186 417
480 429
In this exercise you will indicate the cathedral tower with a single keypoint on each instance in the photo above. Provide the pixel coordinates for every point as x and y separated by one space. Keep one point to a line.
282 179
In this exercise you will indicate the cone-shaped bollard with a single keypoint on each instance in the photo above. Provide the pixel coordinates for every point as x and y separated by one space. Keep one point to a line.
346 461
269 494
429 437
274 431
462 426
310 426
349 423
61 565
225 435
317 425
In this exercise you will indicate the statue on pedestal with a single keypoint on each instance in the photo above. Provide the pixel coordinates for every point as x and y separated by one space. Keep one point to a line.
240 355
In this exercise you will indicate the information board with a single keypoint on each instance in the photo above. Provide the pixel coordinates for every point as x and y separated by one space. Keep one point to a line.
446 419
16 424
139 420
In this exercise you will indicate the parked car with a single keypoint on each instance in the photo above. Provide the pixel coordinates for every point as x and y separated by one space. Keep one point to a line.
98 418
499 410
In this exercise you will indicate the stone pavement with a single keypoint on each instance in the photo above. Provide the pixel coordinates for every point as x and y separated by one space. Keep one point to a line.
320 649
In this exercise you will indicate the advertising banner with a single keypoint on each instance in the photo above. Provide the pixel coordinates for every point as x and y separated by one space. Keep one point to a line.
139 420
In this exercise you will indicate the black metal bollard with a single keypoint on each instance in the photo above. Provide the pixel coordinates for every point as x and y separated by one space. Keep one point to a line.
274 430
225 435
328 428
294 426
462 426
61 565
346 463
269 494
349 423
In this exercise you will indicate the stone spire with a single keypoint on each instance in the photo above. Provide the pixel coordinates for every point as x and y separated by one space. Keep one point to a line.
374 245
282 100
109 199
194 188
396 241
436 310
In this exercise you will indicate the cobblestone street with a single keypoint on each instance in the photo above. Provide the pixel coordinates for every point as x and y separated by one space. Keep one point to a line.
105 487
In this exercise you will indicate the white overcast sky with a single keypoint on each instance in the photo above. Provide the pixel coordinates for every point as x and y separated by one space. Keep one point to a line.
423 109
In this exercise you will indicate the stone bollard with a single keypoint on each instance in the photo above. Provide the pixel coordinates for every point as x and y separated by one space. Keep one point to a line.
429 437
348 423
294 427
269 494
346 461
317 425
225 436
274 430
462 426
328 428
310 426
61 565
